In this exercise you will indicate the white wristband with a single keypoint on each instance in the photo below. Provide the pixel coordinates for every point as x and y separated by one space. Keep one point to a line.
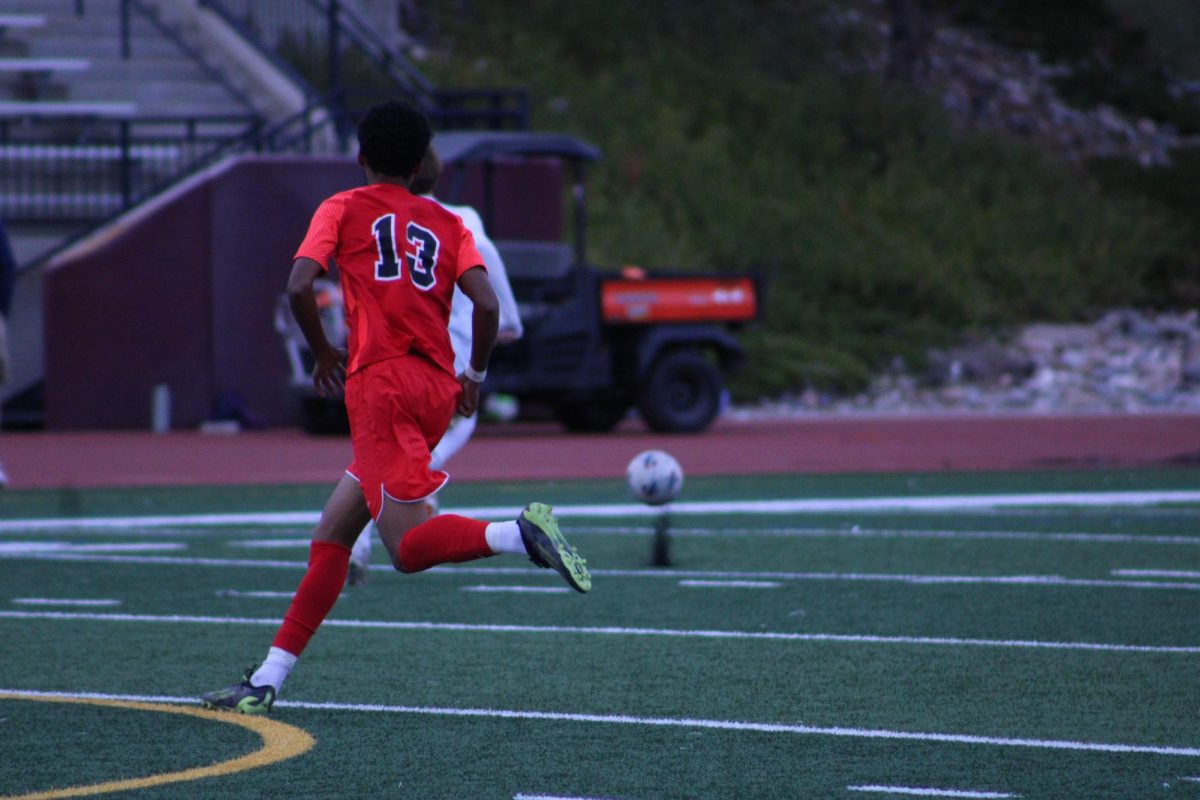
472 375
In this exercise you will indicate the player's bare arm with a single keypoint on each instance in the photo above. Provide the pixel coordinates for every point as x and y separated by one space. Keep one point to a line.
485 321
329 370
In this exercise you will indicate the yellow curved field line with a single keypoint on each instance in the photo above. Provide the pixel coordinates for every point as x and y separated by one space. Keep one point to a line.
280 742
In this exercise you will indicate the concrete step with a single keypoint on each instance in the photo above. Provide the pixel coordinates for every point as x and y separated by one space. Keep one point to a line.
103 45
16 109
155 58
29 64
17 22
212 98
18 157
158 76
135 69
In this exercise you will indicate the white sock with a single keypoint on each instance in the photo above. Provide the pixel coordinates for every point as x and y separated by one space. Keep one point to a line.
275 669
505 537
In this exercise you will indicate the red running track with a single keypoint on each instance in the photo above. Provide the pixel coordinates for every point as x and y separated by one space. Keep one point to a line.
532 451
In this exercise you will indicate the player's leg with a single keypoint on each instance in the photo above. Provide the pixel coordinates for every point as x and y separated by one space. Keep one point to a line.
344 516
416 542
426 401
360 554
415 545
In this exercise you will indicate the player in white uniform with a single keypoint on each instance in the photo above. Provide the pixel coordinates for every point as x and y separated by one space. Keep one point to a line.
461 428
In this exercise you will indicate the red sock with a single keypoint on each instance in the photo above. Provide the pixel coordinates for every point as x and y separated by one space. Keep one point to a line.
441 539
328 563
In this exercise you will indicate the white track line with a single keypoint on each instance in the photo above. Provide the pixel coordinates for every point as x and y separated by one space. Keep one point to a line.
939 641
831 505
300 519
731 584
518 589
644 531
913 790
59 601
858 532
24 548
1157 573
672 574
156 560
673 722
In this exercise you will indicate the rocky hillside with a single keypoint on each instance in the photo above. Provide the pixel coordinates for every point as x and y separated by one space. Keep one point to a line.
1126 362
990 86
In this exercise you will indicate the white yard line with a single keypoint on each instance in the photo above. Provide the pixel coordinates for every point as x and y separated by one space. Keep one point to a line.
156 560
27 548
920 792
518 589
1157 573
674 722
62 601
645 531
839 638
731 584
862 532
302 519
812 506
1052 581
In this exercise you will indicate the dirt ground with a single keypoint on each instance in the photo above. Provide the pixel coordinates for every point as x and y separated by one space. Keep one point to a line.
526 451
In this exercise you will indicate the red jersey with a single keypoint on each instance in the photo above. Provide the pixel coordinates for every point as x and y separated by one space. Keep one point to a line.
399 257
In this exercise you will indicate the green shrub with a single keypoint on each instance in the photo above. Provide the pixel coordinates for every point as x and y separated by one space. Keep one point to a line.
734 142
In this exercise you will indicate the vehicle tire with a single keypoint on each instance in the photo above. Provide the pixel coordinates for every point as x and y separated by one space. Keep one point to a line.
681 393
591 414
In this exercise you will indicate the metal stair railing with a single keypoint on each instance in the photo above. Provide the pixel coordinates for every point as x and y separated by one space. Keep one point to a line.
89 170
81 169
98 176
335 52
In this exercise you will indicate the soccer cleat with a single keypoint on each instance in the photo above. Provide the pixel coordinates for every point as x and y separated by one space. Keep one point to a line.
548 549
243 698
356 575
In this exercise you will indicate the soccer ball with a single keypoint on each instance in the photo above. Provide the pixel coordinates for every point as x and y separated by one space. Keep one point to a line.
654 477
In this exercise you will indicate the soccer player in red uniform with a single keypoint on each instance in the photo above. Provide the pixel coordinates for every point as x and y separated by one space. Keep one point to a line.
399 257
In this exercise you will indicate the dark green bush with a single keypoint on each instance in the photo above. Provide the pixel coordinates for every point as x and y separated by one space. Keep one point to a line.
734 141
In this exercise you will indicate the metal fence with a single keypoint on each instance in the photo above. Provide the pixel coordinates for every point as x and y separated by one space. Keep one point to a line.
66 169
88 167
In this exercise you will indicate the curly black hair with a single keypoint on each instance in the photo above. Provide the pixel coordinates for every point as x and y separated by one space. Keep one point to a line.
393 137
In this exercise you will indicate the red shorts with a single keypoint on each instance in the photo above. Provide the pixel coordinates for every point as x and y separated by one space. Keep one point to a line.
399 409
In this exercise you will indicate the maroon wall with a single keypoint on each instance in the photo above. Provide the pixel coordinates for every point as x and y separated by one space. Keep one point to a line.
526 202
184 296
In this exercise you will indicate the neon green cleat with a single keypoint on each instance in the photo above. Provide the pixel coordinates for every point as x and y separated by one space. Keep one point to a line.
548 549
243 698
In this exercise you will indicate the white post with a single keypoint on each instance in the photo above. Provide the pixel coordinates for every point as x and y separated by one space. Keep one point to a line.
160 408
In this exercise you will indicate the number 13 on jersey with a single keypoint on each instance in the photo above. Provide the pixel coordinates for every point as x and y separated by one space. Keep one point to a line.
420 255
